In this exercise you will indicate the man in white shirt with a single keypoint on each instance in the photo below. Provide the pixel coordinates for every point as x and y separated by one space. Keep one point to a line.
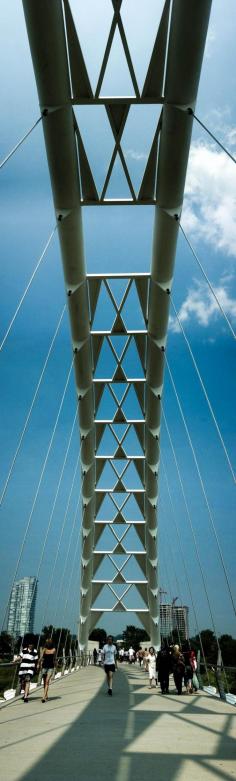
131 654
109 661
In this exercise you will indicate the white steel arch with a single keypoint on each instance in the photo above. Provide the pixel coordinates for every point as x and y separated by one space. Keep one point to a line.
172 81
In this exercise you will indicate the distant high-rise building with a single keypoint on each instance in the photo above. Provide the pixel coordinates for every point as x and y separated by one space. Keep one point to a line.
174 617
22 607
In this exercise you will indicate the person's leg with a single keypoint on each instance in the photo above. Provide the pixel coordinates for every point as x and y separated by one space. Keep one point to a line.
110 680
46 680
26 688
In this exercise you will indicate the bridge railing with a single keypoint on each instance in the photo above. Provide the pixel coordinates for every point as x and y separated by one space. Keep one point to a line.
218 681
9 679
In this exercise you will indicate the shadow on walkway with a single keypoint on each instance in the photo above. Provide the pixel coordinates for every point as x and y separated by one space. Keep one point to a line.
134 735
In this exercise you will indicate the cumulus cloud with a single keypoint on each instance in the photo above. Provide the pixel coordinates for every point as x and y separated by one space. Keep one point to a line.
209 211
201 306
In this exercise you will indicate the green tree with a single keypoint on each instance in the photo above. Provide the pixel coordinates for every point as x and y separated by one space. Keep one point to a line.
133 635
6 645
99 635
209 645
228 650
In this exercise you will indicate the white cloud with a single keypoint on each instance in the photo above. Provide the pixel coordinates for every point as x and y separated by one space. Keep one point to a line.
131 153
209 211
201 306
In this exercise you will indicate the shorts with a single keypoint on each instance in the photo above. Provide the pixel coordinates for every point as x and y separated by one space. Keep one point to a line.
25 678
47 672
109 668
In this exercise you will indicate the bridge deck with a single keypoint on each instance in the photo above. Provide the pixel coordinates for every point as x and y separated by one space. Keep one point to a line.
137 734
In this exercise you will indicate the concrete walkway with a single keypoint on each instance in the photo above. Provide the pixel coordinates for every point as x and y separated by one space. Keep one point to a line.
81 734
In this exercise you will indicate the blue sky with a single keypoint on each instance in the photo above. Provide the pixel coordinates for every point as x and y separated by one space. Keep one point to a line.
119 239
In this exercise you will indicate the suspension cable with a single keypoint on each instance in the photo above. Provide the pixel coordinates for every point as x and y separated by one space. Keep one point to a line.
170 549
183 561
38 486
191 112
44 114
54 503
70 581
38 264
66 560
59 540
205 392
32 405
191 527
203 488
208 282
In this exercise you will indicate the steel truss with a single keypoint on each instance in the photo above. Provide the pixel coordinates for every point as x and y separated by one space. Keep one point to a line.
171 81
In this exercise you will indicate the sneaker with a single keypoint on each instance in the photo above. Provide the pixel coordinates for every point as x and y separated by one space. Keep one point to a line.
110 692
26 699
43 700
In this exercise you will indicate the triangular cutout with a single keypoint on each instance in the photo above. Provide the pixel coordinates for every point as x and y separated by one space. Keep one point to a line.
141 344
119 519
153 85
142 286
92 24
118 289
106 364
119 417
119 375
105 311
117 115
131 405
81 86
107 407
137 140
132 359
98 391
120 549
119 487
140 391
118 187
99 430
117 80
100 466
141 21
118 325
132 312
120 453
89 190
105 441
148 187
97 342
94 286
119 578
89 117
119 608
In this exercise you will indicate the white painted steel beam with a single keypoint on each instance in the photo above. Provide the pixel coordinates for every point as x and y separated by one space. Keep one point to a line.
45 26
172 81
188 29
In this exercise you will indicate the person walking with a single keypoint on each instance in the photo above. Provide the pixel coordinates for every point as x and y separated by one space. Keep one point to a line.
178 664
28 665
95 656
145 660
109 660
131 653
151 659
47 664
163 664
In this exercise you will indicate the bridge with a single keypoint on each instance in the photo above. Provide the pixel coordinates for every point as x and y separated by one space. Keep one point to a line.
106 488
